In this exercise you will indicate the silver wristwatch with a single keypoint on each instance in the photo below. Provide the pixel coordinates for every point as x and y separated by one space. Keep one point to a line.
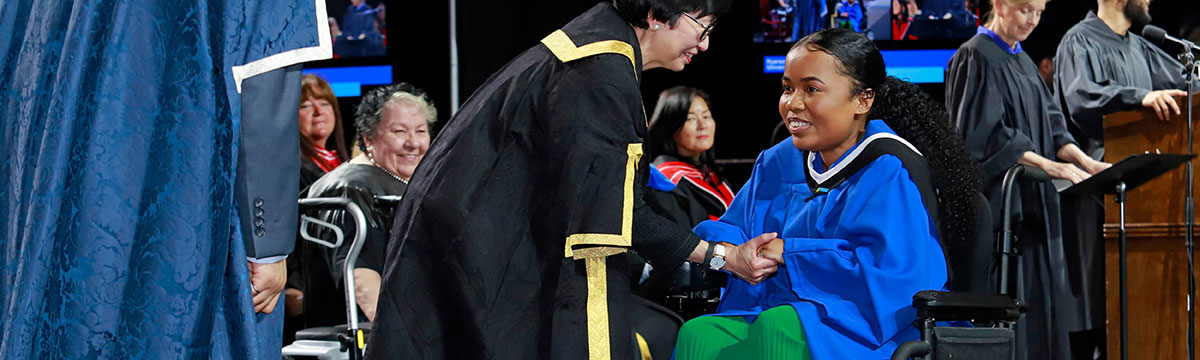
718 259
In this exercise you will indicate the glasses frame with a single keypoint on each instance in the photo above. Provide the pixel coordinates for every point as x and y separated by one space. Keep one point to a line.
706 29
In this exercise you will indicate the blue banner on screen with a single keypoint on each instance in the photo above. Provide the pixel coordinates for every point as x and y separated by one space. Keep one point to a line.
773 64
918 66
348 81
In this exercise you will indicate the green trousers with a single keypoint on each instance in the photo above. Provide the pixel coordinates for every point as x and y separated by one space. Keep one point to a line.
775 334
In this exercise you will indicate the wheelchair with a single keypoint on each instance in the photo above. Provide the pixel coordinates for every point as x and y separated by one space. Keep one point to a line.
993 315
333 342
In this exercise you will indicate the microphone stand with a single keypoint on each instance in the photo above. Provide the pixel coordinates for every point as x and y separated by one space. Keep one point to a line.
1189 63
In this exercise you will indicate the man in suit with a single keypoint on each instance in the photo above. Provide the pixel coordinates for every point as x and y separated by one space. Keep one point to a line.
266 187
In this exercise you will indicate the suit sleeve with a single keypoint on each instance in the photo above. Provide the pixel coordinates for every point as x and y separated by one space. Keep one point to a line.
268 158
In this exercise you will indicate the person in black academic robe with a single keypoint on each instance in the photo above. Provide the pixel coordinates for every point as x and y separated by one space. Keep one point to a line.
682 132
1098 71
512 239
1007 117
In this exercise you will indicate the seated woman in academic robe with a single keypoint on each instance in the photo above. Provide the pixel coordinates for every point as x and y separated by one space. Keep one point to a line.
686 190
393 123
855 196
681 132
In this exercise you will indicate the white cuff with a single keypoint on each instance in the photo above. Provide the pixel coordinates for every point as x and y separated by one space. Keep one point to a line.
267 260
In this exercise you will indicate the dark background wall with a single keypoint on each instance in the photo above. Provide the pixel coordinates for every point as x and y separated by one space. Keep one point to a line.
490 33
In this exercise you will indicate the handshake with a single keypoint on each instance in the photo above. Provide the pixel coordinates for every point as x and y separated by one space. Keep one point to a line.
752 261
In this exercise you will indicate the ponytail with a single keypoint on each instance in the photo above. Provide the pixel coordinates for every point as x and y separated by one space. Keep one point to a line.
916 117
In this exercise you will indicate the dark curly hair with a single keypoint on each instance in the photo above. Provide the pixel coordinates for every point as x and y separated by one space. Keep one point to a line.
920 120
370 110
916 117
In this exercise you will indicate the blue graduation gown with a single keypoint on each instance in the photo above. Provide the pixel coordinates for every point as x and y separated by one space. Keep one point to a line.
854 256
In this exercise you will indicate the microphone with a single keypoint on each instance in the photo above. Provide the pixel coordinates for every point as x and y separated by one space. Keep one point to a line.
1159 36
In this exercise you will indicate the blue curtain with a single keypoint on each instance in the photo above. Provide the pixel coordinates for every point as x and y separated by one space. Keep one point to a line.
119 124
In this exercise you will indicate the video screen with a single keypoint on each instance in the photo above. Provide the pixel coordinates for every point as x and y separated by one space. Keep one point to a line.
786 21
358 27
934 19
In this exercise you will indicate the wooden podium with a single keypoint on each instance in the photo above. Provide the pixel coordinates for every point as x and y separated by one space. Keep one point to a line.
1157 258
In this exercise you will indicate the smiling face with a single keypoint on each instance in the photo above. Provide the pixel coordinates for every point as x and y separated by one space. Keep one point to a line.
675 46
400 139
696 134
1015 20
316 120
818 104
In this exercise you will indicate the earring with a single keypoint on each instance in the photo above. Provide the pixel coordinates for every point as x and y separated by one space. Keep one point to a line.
655 27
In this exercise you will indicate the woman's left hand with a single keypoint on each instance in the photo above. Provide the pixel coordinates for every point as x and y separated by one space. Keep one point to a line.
744 261
1094 167
773 251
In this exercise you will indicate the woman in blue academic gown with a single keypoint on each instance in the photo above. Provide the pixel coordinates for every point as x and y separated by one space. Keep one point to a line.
855 203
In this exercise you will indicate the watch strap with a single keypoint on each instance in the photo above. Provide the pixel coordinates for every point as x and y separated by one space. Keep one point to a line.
708 255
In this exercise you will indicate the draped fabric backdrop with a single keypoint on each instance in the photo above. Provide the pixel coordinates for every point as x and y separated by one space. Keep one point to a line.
118 136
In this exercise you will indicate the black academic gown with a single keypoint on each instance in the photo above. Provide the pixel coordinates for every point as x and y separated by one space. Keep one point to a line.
1098 72
512 242
1001 108
693 199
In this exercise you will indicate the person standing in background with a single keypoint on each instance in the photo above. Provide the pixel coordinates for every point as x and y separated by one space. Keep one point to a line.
1103 67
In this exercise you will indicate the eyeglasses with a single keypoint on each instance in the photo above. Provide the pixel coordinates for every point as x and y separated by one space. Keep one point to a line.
706 29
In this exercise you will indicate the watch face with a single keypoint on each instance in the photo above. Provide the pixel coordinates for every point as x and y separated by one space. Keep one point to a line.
717 263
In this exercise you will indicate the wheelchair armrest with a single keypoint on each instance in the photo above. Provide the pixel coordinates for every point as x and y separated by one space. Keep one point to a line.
912 349
949 306
329 333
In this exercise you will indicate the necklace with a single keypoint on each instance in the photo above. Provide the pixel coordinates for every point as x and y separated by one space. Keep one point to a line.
397 177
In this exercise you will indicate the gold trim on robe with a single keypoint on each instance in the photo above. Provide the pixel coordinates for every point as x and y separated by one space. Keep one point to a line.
595 248
565 50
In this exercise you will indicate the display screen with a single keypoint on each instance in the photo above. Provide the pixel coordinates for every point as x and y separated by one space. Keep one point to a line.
358 27
786 21
917 66
348 81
